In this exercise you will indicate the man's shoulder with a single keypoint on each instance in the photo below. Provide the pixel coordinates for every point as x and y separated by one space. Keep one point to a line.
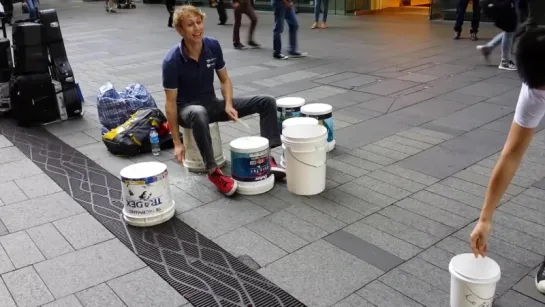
212 43
172 54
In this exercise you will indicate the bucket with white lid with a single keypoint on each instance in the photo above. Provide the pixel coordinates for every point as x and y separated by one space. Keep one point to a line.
305 150
250 165
288 107
473 281
193 160
146 194
324 114
293 122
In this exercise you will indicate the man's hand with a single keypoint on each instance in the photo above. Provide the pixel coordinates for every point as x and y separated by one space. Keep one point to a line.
231 113
179 153
479 238
236 5
288 4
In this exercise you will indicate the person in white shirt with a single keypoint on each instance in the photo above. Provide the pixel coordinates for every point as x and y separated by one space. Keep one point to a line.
528 114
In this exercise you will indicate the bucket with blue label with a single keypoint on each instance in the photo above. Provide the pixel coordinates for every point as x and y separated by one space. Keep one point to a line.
324 114
250 165
288 107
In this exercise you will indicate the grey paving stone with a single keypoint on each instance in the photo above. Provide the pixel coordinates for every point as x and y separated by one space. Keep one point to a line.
406 184
473 116
383 187
353 301
37 185
433 213
320 274
366 156
527 287
296 225
436 256
519 224
409 100
221 216
50 242
515 299
485 89
366 251
458 195
366 194
82 230
400 230
410 174
182 201
439 277
408 142
146 289
337 176
243 241
277 235
442 129
482 180
352 202
419 137
336 77
27 288
444 70
4 142
383 152
387 87
3 229
37 211
431 133
268 202
21 249
5 263
79 270
383 296
353 83
11 154
77 139
68 301
461 98
524 213
350 169
10 193
5 297
417 77
375 129
383 240
415 288
99 296
486 171
417 221
379 104
332 209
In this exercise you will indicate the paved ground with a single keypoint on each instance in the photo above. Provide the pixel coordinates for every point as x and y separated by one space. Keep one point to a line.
419 121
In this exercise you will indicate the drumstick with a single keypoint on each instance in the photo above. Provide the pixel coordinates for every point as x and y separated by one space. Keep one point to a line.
238 120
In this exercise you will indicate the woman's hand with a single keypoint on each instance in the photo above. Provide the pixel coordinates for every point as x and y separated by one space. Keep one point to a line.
479 238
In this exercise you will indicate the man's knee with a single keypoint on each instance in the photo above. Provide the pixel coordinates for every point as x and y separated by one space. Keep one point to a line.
268 102
196 116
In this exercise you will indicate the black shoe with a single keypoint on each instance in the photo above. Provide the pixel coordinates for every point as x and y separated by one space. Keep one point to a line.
254 44
474 37
485 51
280 56
239 46
222 23
297 54
457 35
540 278
507 65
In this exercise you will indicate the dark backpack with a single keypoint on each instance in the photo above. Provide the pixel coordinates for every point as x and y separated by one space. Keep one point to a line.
502 12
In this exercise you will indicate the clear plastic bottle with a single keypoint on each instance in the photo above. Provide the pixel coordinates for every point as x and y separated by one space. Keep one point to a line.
154 140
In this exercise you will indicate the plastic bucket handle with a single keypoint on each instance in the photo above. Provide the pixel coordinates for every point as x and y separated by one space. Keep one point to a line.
314 166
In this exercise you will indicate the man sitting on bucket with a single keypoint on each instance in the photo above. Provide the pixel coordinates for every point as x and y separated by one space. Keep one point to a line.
188 80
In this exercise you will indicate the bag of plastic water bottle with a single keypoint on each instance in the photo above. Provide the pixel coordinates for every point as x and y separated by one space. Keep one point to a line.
154 140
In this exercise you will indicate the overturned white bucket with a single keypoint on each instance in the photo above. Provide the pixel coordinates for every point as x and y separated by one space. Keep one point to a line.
288 107
251 165
193 159
293 122
146 194
324 114
473 280
305 149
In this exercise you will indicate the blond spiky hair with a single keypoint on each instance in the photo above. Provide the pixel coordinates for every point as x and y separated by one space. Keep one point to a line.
184 11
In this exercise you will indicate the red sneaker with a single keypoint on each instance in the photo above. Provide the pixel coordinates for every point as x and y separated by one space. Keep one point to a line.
278 172
226 185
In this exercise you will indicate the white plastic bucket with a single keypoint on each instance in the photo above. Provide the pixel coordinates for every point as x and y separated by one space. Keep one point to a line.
250 165
293 122
146 194
305 148
288 107
324 114
473 281
193 159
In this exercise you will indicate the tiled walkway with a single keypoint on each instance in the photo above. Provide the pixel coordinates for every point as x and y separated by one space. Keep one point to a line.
419 123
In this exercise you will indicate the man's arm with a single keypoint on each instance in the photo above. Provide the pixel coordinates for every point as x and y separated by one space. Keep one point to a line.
171 108
518 140
226 86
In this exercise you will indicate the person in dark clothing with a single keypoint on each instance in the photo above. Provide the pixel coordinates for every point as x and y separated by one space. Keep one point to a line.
461 7
8 10
244 7
222 11
170 8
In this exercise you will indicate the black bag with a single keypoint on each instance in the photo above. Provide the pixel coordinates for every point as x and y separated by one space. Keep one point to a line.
33 99
27 34
52 29
62 71
31 59
502 12
72 100
132 138
57 50
6 60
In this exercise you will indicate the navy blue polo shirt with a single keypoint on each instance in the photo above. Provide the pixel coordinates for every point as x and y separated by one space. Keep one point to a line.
194 80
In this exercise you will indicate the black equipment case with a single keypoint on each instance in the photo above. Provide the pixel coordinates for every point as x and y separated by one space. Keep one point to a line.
33 99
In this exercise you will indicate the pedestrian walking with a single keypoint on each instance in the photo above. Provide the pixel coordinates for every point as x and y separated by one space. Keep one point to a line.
170 4
461 7
528 114
244 7
222 11
284 12
317 8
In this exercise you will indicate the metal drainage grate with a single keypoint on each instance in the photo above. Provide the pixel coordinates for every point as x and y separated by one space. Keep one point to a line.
204 273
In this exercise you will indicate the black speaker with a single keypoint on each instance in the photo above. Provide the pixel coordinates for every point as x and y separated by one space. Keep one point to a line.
33 99
52 29
6 60
27 34
31 59
57 50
